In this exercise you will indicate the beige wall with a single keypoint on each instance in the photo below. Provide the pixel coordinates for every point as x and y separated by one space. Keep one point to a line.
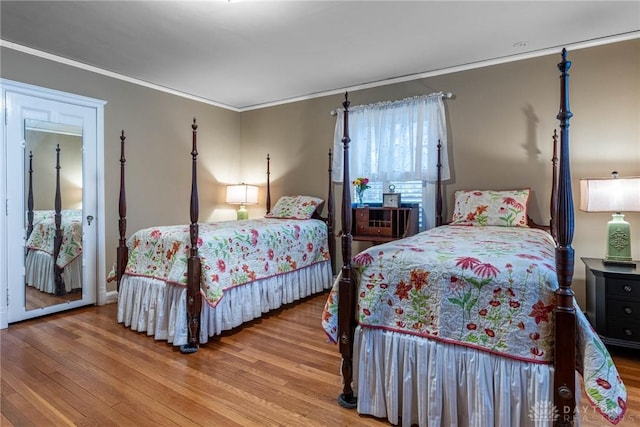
500 127
158 130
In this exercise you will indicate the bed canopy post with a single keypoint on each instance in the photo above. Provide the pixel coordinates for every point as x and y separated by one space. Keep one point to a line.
123 251
346 287
331 216
268 207
439 187
553 223
194 299
30 197
565 332
57 240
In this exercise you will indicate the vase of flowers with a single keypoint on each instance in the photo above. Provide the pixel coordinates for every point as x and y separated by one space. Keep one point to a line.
360 184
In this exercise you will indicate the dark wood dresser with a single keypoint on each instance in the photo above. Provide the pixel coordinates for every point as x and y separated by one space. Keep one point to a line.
380 225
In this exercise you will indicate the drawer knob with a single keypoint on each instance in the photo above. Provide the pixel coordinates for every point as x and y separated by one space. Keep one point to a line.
627 288
628 332
628 310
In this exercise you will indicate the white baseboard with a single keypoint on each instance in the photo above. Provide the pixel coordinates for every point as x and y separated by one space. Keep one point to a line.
111 297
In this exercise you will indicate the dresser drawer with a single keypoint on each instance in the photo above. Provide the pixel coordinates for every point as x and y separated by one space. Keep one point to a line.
627 310
362 217
374 230
623 331
623 287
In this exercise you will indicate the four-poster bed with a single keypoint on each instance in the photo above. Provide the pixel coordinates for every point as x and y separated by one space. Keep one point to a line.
473 322
53 261
185 284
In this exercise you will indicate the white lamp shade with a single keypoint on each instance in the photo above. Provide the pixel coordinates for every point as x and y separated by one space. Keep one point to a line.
610 194
242 194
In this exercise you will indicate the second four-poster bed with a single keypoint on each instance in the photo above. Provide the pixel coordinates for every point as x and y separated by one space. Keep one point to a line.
472 322
185 284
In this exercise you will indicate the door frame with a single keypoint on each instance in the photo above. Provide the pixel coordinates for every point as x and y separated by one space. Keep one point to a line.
6 205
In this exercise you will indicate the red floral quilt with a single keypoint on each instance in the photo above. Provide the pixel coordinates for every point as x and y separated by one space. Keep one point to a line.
490 288
232 253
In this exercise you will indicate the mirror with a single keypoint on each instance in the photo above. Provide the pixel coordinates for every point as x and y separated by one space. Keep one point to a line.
53 213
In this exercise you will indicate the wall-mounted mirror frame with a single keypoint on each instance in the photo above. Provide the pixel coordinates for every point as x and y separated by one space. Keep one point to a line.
27 102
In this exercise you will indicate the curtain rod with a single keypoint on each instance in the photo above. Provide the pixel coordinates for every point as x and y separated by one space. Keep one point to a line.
444 95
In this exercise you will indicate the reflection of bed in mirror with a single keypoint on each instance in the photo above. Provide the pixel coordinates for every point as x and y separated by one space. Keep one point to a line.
54 243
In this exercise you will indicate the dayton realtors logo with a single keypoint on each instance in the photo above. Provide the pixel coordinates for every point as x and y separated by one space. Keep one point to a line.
543 411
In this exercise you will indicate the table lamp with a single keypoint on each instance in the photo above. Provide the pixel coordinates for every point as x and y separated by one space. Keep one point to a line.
617 195
243 195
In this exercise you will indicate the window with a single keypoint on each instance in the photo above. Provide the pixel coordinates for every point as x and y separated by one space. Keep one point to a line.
397 143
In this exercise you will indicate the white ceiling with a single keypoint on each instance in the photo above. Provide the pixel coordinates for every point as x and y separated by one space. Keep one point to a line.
248 54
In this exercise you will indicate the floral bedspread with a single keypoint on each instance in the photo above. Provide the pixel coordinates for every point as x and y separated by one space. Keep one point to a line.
232 253
44 232
490 288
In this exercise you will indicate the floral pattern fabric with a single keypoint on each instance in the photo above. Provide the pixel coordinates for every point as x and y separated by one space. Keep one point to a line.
232 253
490 288
295 207
505 208
44 232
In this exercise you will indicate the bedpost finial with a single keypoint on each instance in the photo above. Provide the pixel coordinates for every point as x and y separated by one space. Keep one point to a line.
194 126
565 64
346 102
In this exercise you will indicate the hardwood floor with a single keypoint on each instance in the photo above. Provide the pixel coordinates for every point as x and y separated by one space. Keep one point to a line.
82 368
37 299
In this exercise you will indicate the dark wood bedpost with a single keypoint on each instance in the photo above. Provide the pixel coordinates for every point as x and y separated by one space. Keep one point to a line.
439 187
30 197
122 251
346 286
331 225
268 207
194 298
553 223
57 240
565 325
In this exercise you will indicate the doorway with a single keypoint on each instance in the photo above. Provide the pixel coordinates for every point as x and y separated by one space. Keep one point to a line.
52 250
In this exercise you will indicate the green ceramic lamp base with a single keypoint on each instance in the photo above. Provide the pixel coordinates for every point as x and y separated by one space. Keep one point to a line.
618 241
242 212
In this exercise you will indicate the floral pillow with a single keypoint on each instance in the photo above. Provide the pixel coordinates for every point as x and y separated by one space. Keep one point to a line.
295 207
488 207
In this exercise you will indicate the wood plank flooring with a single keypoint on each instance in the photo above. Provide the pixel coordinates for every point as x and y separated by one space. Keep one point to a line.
37 299
82 368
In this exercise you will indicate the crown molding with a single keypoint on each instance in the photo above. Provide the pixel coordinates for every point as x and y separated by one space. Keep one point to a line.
447 70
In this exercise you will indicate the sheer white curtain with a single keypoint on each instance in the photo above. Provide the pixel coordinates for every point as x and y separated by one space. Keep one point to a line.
396 141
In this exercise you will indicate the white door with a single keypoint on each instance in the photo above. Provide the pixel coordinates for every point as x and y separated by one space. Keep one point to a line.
50 138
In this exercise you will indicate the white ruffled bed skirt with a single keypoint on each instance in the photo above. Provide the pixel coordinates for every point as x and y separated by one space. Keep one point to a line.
159 309
430 383
40 275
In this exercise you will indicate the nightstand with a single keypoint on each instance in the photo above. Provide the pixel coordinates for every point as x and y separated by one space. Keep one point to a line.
613 301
